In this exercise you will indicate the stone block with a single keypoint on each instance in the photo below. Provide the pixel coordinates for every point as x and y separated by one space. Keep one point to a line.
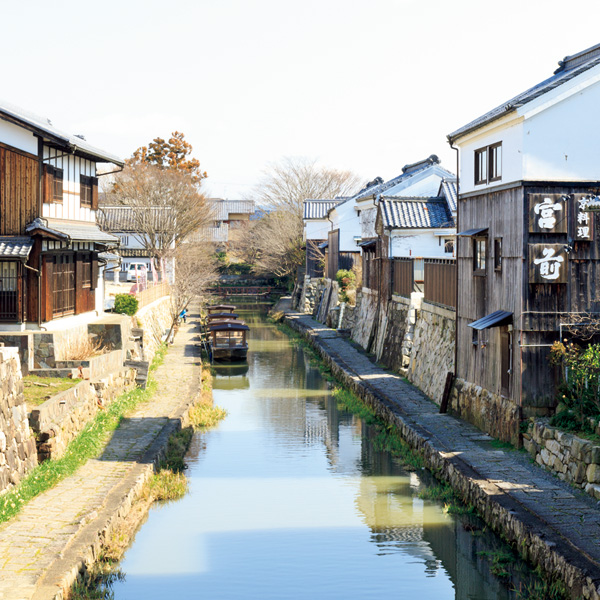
548 433
593 473
554 447
595 455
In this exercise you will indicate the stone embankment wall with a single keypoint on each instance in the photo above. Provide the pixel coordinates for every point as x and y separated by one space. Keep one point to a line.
17 445
410 336
489 500
572 458
60 419
155 321
490 412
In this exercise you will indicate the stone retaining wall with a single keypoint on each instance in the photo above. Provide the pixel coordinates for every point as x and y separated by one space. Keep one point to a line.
155 319
499 511
572 458
487 411
61 418
432 353
17 445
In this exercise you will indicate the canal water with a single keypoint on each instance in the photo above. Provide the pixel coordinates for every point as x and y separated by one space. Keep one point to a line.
289 499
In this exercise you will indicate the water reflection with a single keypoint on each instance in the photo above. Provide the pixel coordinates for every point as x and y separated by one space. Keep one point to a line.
290 499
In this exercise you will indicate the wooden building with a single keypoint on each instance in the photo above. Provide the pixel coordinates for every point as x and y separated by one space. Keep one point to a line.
49 239
528 256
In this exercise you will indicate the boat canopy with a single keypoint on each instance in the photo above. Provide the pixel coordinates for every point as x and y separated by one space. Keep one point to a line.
221 315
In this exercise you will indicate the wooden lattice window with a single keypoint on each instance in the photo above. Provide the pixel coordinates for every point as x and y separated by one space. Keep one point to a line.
63 285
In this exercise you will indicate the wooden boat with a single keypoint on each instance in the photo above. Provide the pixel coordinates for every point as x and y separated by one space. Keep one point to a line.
219 316
228 340
217 308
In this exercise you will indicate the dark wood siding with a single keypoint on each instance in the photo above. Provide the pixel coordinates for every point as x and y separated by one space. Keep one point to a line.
332 253
314 258
19 191
479 295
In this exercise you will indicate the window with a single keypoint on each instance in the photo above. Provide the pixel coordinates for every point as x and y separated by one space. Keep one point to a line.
57 186
488 164
479 255
498 254
495 162
86 271
449 246
63 285
124 240
85 190
481 166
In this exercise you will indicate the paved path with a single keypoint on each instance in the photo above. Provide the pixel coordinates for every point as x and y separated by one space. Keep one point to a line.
565 517
43 546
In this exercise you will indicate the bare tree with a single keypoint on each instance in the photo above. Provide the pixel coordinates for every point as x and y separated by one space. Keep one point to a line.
196 272
276 239
166 206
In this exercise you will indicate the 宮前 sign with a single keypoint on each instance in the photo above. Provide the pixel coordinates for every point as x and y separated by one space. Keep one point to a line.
548 213
547 263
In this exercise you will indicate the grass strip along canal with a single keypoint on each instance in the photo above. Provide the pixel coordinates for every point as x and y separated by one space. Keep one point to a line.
303 491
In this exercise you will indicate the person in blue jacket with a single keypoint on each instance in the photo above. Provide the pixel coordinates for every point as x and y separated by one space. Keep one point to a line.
183 315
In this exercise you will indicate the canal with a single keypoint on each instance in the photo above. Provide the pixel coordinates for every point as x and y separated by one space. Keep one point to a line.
290 499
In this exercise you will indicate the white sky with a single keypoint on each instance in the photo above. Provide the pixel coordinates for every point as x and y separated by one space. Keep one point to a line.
362 85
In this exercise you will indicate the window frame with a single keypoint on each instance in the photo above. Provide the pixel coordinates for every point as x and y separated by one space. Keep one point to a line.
479 266
498 254
85 185
449 242
58 189
488 164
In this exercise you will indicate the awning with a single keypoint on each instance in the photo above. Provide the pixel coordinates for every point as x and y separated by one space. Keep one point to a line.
323 245
368 243
15 247
495 319
473 232
71 232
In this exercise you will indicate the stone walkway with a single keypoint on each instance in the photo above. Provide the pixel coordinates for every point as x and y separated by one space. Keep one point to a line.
562 519
42 549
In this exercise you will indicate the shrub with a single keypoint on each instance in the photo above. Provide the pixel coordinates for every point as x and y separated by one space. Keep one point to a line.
347 281
579 389
126 304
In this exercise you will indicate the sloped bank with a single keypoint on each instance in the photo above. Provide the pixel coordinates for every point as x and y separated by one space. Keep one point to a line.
528 533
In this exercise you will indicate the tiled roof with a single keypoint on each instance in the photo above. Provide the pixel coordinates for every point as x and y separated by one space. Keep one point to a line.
221 209
449 191
15 247
73 142
134 253
569 68
415 213
72 231
318 209
120 218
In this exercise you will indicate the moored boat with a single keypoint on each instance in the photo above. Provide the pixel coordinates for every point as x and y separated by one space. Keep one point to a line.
228 340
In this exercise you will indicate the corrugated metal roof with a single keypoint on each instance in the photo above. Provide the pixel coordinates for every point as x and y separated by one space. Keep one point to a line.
407 213
73 232
44 125
318 209
495 319
449 191
240 206
15 247
570 68
221 209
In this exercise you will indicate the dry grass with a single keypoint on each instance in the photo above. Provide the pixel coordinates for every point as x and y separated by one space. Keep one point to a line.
204 415
83 347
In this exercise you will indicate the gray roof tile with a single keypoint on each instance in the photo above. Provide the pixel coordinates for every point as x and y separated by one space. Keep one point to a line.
569 68
15 247
415 213
318 209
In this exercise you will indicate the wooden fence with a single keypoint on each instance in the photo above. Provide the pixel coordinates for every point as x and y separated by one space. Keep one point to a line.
347 260
402 276
152 293
440 281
